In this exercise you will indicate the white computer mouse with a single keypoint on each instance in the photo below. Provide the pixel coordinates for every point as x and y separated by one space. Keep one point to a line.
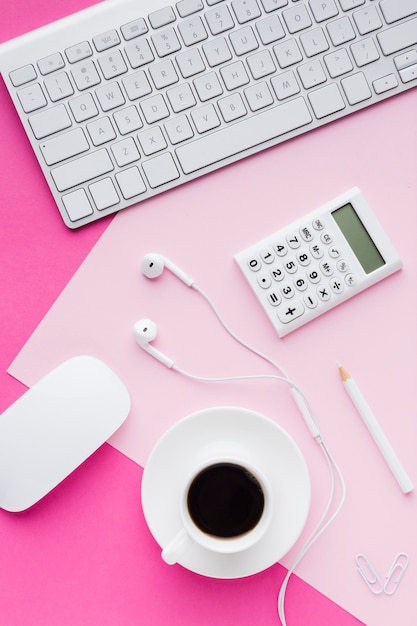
55 426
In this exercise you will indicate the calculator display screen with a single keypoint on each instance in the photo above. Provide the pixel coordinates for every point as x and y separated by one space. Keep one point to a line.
358 238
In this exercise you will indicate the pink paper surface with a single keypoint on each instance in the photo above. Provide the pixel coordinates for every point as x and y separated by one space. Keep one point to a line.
90 530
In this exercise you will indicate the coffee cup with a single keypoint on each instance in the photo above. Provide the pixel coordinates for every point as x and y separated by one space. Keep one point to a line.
225 506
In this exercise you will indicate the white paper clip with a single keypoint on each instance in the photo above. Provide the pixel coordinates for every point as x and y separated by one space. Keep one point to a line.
395 573
369 574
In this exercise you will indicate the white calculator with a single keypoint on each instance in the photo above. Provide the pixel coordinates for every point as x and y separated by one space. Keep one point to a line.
319 261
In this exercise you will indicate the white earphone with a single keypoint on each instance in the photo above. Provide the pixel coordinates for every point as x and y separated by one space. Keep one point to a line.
145 331
153 265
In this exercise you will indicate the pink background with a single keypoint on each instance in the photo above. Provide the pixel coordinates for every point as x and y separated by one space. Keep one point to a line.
84 555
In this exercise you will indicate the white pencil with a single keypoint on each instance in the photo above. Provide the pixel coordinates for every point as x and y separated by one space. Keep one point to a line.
376 431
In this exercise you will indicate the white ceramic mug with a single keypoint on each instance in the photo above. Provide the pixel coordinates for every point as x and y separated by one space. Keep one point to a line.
225 506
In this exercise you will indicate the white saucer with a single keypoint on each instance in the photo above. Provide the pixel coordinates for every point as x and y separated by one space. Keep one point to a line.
228 431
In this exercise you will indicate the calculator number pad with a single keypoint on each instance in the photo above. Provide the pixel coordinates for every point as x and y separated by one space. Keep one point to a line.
302 270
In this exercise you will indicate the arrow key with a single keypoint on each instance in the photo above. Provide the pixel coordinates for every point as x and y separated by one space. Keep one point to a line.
385 83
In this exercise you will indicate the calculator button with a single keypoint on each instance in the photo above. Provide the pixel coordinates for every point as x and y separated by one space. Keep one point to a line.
264 281
306 233
313 275
300 283
327 268
323 293
254 264
316 251
303 258
326 238
342 265
280 248
290 266
277 274
287 291
334 252
293 240
290 313
318 224
336 285
311 300
274 298
350 280
267 256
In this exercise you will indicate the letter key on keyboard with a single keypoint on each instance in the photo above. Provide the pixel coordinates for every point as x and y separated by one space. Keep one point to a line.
129 98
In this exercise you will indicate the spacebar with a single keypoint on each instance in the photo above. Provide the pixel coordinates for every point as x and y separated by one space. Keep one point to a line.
243 135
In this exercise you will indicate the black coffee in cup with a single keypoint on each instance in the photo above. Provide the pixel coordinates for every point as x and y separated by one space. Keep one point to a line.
225 500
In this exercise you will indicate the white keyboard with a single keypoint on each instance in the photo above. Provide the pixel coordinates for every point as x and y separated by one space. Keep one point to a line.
129 98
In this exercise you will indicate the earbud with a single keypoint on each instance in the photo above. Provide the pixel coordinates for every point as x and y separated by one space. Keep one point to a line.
153 265
144 332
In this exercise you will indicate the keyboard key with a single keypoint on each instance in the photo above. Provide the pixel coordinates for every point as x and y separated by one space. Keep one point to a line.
296 18
112 65
245 10
243 135
312 74
32 98
58 86
356 88
152 140
188 7
326 101
243 41
50 121
85 75
134 29
323 10
219 20
398 37
154 109
22 75
208 86
110 96
338 63
192 31
51 64
367 20
139 53
394 10
408 74
217 51
162 17
385 84
160 170
131 183
101 131
127 120
78 52
270 29
83 107
205 118
136 85
104 194
81 170
364 52
106 40
64 146
166 42
125 152
178 130
341 31
258 96
77 205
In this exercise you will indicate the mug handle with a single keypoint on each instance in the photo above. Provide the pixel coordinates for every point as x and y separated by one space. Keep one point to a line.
177 546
